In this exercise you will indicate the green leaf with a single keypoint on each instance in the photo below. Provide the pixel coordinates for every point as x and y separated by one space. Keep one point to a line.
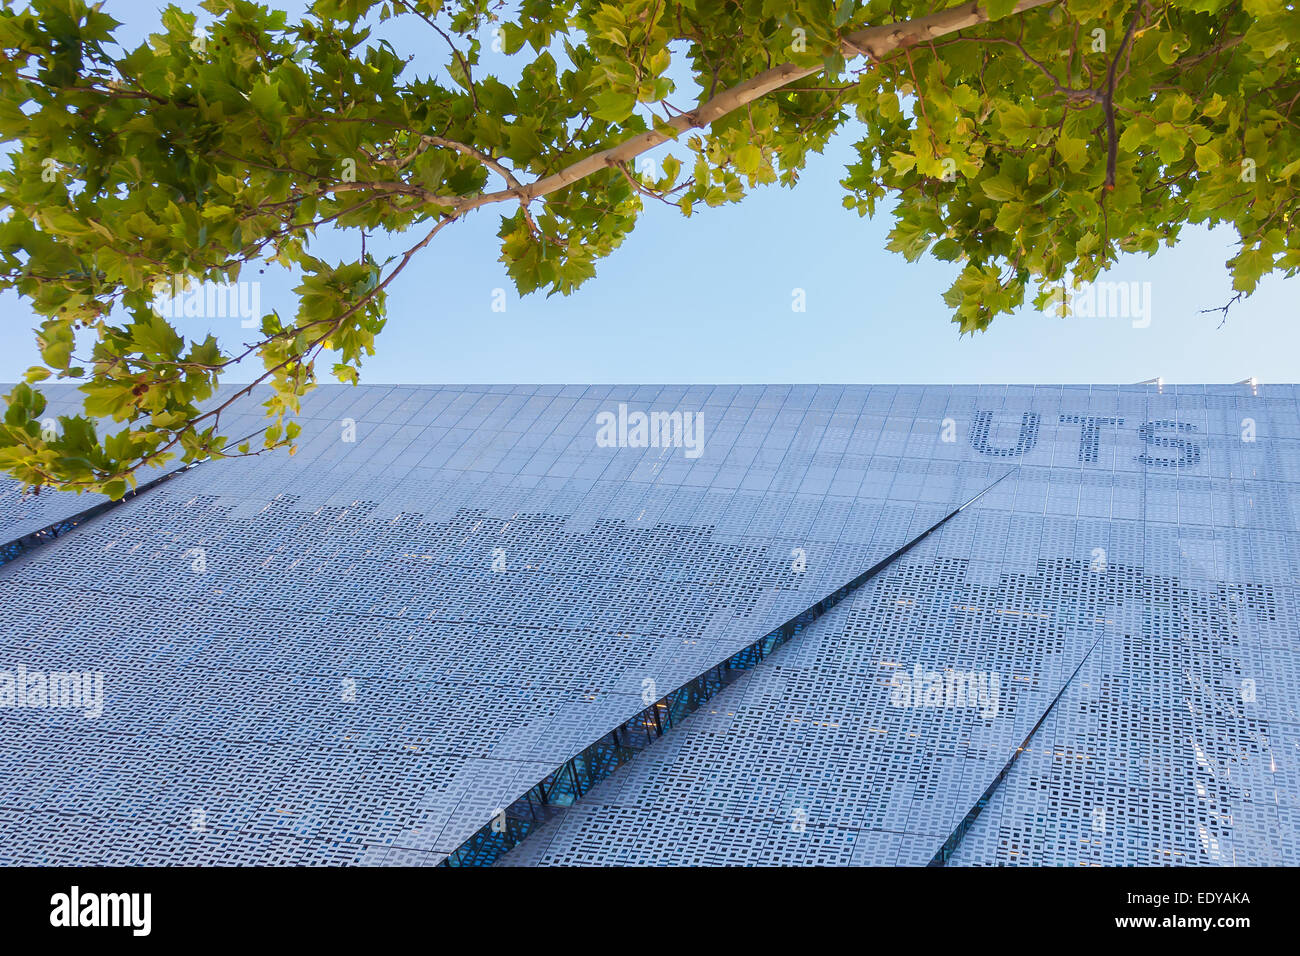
748 158
613 106
999 188
672 166
902 162
1009 217
1206 157
1073 151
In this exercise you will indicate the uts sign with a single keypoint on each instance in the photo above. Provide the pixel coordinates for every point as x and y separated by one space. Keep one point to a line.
1163 446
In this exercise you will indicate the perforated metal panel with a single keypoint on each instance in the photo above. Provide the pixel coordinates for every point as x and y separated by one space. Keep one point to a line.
362 653
1174 562
31 517
319 658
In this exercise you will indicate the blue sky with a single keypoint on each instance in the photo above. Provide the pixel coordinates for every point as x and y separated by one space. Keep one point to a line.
709 299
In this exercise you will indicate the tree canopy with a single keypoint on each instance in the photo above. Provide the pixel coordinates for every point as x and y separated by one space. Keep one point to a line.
1029 142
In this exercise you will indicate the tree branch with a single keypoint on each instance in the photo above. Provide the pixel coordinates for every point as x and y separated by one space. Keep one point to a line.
875 42
1108 98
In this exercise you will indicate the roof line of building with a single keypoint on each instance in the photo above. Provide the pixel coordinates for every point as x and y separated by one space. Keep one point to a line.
15 548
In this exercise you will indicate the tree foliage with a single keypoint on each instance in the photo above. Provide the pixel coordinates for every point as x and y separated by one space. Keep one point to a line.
1029 142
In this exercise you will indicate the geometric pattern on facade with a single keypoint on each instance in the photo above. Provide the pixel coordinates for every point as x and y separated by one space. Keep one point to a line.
1175 744
359 654
808 760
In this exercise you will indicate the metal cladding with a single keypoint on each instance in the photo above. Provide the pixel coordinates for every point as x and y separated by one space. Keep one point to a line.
677 624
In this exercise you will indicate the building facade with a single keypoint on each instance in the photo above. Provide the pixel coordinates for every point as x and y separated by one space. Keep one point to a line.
535 625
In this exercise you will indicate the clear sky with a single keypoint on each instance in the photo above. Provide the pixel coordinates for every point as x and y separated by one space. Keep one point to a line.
709 299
